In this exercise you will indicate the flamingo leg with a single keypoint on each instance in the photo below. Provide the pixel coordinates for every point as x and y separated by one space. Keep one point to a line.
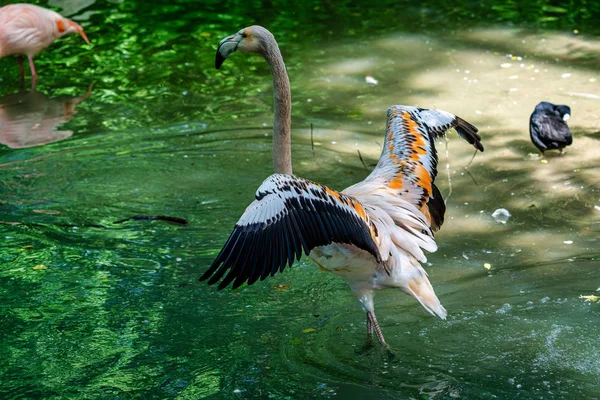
33 73
374 325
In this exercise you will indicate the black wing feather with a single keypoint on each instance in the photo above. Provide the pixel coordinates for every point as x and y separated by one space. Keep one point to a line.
437 208
259 249
468 132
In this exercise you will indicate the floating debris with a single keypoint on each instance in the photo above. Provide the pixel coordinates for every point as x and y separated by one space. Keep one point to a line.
544 161
282 287
309 330
591 297
568 242
487 266
39 267
371 80
50 212
586 95
501 215
597 208
565 75
506 65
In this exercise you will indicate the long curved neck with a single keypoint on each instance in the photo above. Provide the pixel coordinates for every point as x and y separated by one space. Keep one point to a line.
282 148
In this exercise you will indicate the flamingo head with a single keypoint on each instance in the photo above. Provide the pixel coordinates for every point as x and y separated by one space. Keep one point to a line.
66 26
253 39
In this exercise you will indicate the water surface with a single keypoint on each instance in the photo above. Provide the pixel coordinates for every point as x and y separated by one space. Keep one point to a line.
91 308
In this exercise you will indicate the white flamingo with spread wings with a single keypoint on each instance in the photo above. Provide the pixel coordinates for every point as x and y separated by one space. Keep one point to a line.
28 29
371 234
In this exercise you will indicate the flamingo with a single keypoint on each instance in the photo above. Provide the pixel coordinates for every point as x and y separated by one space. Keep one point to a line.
371 234
28 29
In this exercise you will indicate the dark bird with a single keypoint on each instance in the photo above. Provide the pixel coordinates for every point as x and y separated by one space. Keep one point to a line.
548 127
371 234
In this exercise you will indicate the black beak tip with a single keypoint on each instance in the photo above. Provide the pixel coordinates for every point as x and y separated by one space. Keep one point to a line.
219 60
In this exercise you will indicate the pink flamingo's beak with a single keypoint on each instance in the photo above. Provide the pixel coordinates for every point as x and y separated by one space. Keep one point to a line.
79 30
82 33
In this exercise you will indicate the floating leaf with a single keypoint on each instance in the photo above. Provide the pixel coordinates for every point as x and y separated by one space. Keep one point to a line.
282 287
591 297
309 330
487 266
39 267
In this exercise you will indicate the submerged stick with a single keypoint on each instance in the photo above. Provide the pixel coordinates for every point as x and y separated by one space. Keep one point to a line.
312 142
448 173
166 218
361 160
472 158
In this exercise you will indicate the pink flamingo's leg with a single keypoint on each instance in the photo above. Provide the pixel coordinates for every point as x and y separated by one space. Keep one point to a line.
33 73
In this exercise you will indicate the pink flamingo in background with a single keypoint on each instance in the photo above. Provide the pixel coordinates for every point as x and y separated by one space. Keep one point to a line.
28 29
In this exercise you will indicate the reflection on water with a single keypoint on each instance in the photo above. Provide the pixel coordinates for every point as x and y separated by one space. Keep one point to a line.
31 118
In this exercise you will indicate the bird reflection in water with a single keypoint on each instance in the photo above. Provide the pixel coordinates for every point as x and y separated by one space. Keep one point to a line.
31 118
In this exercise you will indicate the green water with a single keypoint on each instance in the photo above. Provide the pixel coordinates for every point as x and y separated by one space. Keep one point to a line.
94 309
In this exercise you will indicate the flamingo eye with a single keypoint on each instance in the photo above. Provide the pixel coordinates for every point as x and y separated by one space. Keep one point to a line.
60 25
244 35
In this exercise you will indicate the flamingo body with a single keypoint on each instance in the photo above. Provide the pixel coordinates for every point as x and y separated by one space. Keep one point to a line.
372 234
28 29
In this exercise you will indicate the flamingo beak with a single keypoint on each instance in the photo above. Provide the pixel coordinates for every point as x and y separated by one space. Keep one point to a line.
78 29
82 33
226 47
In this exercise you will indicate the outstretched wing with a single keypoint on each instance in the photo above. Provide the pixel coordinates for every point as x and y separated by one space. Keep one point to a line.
408 162
290 215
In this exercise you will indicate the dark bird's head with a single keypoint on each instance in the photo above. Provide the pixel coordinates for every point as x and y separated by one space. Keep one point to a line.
253 39
564 112
561 111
